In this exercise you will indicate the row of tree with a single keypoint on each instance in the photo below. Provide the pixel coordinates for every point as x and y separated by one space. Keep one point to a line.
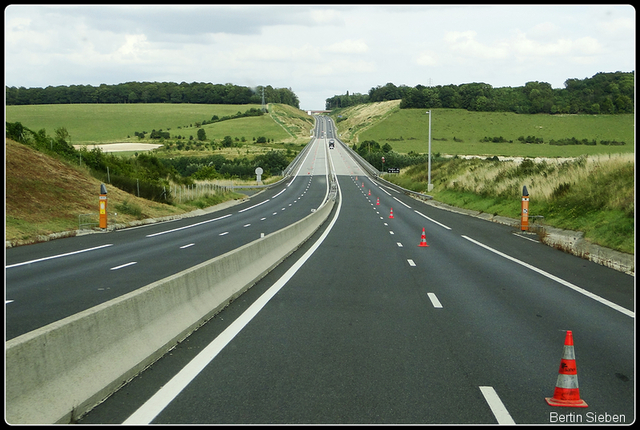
151 92
604 93
376 94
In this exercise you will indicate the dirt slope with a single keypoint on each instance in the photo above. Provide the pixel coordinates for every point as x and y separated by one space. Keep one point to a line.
44 195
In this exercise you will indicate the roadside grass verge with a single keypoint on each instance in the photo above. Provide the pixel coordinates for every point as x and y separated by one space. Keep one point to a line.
209 200
22 230
595 195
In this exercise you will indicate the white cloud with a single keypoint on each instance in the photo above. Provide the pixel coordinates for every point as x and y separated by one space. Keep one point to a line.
134 47
324 16
522 46
619 27
465 43
315 48
427 58
348 47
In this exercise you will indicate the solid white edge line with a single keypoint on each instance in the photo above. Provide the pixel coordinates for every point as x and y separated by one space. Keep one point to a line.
388 187
434 300
559 280
497 407
188 226
524 237
432 220
401 202
57 256
283 190
384 191
301 164
251 207
161 399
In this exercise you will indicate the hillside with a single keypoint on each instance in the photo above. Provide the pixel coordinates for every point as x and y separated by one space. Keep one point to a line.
462 132
354 120
114 123
294 121
45 195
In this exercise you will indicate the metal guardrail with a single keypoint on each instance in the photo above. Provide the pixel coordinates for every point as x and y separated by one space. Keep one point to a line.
286 173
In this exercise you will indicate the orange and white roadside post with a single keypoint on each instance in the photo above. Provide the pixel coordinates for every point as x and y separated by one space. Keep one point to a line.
524 216
103 206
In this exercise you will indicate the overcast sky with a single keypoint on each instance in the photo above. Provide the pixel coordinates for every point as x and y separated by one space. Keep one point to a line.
317 51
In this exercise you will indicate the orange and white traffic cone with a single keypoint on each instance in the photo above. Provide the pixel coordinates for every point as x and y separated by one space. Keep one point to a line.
567 392
391 214
369 192
423 239
378 202
363 185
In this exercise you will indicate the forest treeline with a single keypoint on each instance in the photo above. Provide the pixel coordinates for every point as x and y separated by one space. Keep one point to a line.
603 93
151 92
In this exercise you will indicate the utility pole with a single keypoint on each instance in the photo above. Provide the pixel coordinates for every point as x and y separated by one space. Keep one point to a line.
263 108
429 185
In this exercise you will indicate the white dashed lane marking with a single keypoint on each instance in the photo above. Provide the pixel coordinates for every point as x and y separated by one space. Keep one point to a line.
434 300
124 265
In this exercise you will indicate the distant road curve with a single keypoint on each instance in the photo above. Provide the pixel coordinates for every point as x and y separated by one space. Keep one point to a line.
119 147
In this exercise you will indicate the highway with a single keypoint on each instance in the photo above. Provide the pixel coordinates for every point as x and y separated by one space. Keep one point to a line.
49 281
361 325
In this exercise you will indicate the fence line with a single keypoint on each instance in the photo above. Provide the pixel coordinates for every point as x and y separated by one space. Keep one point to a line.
91 221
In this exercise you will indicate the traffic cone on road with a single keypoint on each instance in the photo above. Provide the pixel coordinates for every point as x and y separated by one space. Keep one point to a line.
391 214
378 202
423 239
567 392
369 192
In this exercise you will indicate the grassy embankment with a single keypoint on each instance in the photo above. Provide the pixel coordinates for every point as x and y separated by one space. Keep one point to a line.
583 188
45 195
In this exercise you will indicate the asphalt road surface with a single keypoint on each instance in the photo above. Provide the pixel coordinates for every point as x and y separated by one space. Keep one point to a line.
361 325
49 281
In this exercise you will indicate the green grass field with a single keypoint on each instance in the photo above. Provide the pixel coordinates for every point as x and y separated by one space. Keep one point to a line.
412 125
248 128
105 123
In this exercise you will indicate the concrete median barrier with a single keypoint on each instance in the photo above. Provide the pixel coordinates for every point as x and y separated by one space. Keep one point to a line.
58 372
